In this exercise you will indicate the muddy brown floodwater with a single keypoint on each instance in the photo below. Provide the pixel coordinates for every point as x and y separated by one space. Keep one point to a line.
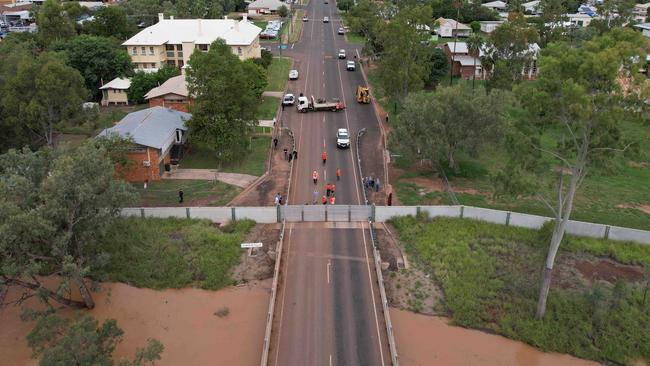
428 340
183 320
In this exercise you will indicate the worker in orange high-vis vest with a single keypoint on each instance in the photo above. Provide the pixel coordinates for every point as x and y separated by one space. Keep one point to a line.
333 188
332 200
324 156
328 189
324 200
314 176
338 173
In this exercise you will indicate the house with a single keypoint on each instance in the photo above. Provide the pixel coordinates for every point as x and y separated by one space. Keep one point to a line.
498 6
532 7
488 26
578 19
158 134
115 91
172 41
640 12
265 6
450 28
172 94
464 64
645 28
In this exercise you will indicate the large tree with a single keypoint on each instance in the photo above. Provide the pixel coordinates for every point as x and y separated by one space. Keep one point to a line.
436 126
224 111
53 209
44 96
53 23
142 82
578 99
111 21
81 341
98 59
439 66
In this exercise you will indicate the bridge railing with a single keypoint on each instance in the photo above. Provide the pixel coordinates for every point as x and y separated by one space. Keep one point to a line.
358 213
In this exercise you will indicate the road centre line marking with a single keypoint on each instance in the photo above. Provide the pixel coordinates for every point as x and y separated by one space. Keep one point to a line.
329 263
372 292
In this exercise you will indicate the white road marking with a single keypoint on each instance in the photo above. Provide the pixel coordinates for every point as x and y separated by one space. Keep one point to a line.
330 360
372 292
329 263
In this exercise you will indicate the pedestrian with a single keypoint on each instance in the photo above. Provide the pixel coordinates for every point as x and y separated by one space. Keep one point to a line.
180 196
295 155
285 154
281 199
338 174
328 189
290 157
333 188
324 156
371 182
282 106
324 200
146 183
314 197
386 117
275 142
277 199
332 200
377 185
390 199
365 182
314 176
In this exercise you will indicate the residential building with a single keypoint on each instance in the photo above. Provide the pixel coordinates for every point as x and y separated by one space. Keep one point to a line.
579 19
172 41
450 28
266 6
158 135
488 26
115 91
464 64
641 12
532 7
172 94
645 28
498 6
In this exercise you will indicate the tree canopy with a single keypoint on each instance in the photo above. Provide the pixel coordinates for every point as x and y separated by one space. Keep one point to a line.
142 82
111 21
224 111
53 23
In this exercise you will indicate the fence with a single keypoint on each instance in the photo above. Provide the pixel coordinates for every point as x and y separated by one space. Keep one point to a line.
352 213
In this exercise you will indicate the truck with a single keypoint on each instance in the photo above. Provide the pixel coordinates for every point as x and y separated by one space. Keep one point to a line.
363 94
311 104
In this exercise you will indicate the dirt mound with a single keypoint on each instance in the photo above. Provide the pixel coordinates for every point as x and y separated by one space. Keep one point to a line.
608 270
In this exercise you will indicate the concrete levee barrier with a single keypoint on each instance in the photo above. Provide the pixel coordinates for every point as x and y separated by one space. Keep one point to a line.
261 215
444 211
215 214
586 229
338 213
131 211
164 212
527 221
314 213
385 213
626 234
485 214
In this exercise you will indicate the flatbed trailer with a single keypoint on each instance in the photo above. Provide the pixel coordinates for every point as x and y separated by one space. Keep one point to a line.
312 104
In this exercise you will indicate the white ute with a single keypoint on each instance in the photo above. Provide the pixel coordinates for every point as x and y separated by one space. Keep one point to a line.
341 54
342 138
293 75
288 99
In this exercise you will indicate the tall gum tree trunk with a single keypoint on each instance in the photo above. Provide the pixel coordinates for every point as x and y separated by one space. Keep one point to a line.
85 294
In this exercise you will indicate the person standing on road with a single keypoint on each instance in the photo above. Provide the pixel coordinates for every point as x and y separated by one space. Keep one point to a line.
327 189
333 188
324 200
338 173
277 199
285 154
324 156
314 197
295 155
377 185
275 142
290 157
314 176
332 200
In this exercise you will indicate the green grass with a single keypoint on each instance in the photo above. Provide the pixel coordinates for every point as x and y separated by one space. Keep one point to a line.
195 192
297 26
490 275
172 253
204 157
278 73
355 38
268 108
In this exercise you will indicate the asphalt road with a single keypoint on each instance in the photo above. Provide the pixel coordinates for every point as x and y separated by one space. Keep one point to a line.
329 311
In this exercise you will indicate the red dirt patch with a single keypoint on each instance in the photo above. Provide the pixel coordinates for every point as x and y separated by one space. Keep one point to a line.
643 208
608 270
430 185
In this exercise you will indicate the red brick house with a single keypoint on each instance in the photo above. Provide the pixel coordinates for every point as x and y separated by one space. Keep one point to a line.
463 63
158 134
172 94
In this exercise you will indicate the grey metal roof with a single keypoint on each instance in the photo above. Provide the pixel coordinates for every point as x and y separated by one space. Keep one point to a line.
154 127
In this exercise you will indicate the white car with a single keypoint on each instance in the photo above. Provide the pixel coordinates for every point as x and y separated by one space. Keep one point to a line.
342 138
350 66
293 75
341 54
341 31
304 19
288 99
326 19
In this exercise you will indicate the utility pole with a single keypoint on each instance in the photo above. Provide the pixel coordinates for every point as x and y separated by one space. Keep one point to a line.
457 4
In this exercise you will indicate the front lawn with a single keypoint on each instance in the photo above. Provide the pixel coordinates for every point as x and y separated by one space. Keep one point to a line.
267 108
195 193
172 253
203 157
278 73
354 38
599 304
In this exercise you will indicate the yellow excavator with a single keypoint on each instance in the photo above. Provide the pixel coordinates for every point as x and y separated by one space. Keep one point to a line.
363 94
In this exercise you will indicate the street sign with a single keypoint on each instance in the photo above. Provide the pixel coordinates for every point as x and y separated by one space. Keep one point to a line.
251 245
282 46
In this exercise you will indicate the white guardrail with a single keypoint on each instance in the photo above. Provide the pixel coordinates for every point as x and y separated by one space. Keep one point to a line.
274 291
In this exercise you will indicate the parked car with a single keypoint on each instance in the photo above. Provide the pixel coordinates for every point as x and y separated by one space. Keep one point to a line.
341 31
304 19
288 99
326 19
293 75
350 66
341 54
342 138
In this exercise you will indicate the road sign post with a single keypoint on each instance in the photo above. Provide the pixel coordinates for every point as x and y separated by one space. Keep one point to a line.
251 245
